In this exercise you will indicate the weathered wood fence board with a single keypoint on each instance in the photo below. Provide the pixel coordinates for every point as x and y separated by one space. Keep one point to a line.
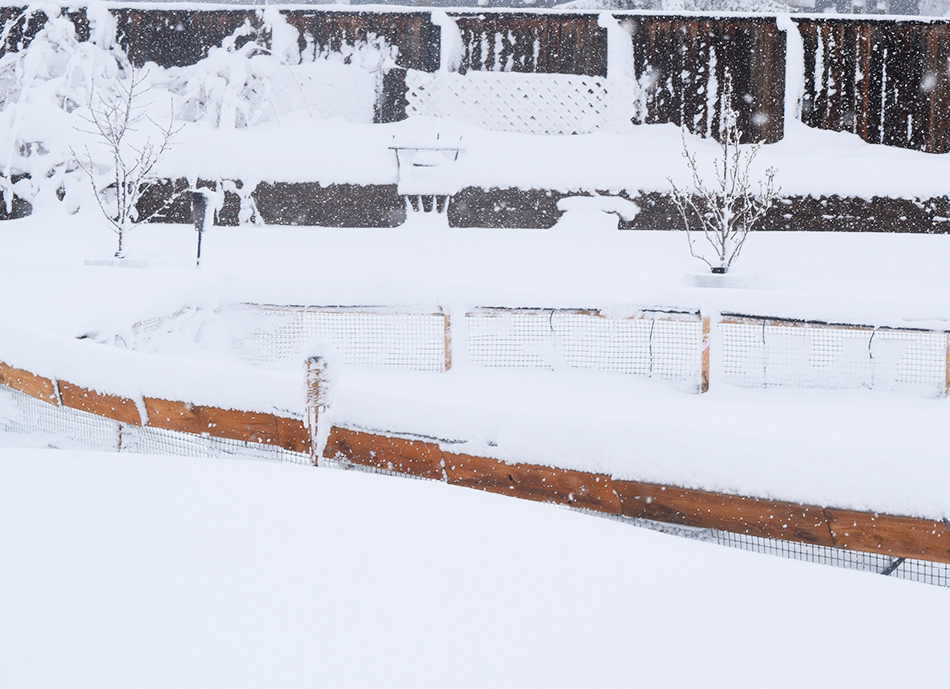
413 34
540 43
683 64
252 427
890 535
888 81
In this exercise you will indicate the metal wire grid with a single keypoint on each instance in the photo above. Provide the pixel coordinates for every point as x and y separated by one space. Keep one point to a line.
158 441
362 337
936 573
765 352
27 415
33 416
667 346
511 339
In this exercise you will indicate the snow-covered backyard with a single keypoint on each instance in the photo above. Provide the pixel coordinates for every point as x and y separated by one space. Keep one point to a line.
126 570
146 570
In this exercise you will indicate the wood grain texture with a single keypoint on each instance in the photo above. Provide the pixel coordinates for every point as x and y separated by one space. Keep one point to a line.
255 427
292 434
767 518
101 404
28 383
413 457
704 375
533 482
889 535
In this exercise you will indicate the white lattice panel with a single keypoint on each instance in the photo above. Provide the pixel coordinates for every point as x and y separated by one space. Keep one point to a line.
524 103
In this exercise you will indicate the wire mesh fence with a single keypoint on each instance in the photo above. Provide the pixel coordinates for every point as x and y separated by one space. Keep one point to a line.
371 336
66 427
936 573
656 344
764 352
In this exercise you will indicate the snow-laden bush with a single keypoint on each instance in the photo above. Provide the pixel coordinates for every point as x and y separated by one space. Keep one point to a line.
257 76
41 89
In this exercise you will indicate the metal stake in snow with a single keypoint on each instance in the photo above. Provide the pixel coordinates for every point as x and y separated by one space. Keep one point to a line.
200 206
318 399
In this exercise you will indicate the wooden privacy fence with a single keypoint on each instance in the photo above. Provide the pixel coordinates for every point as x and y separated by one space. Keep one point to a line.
886 80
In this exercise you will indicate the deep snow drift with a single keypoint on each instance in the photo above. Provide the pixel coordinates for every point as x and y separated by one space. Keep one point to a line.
156 572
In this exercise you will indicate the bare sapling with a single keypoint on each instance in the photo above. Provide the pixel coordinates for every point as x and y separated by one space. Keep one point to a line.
116 115
727 209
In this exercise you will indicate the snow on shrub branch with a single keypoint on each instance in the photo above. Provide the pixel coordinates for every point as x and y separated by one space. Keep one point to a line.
257 76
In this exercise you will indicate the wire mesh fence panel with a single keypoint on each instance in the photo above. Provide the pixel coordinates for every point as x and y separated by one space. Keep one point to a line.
677 346
743 352
606 344
924 571
817 357
362 337
760 352
158 441
666 346
511 339
23 414
910 361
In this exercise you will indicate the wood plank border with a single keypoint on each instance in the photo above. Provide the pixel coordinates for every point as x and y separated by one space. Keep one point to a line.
881 534
735 513
532 482
411 457
112 407
255 427
889 535
28 383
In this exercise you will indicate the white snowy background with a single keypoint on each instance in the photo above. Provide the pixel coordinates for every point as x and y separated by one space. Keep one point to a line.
125 570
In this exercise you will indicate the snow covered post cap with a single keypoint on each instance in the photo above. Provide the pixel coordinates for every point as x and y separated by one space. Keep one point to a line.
321 373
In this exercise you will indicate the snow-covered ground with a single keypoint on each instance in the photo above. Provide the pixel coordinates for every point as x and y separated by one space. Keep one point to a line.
127 570
858 449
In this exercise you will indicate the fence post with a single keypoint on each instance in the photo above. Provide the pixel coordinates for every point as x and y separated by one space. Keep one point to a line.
704 383
318 391
447 339
946 384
